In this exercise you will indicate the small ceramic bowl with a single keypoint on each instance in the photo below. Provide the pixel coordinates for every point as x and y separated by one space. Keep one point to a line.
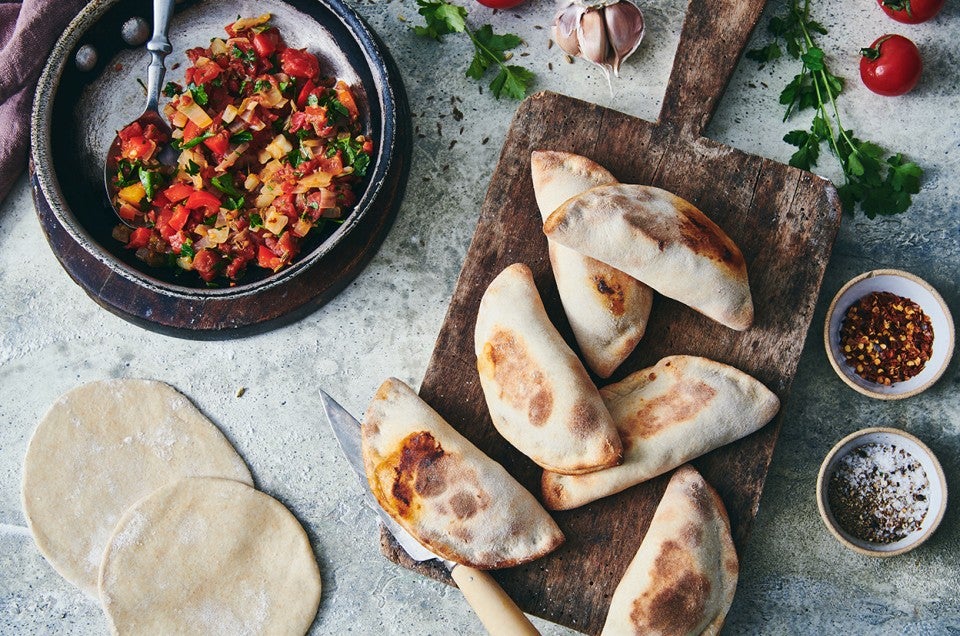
902 284
936 490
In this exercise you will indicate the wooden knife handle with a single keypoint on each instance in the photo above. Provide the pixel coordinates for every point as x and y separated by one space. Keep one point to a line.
497 611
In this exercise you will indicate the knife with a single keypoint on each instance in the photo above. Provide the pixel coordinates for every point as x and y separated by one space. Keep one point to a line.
497 611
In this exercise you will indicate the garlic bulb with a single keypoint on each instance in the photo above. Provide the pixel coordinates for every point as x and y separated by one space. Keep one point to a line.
604 32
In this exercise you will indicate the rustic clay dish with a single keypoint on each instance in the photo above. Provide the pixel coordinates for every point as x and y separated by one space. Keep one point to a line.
76 114
936 492
902 284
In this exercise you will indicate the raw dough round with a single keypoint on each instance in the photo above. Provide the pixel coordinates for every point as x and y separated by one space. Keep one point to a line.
102 447
209 556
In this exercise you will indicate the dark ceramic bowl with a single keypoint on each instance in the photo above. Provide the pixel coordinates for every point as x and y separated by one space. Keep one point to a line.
77 113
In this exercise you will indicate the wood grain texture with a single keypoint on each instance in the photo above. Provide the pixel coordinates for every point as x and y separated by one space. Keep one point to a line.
784 220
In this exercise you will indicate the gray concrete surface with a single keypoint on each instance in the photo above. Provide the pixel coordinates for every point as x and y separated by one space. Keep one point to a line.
795 578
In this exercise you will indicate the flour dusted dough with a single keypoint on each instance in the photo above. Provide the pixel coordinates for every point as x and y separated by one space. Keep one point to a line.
102 447
209 556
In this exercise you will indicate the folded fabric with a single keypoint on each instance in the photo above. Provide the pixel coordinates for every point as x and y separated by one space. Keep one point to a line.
28 31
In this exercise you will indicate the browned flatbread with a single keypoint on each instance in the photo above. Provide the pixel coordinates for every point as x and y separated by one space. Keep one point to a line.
448 494
607 309
662 240
684 575
668 414
540 397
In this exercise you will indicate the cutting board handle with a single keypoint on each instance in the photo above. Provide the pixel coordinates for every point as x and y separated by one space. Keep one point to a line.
714 34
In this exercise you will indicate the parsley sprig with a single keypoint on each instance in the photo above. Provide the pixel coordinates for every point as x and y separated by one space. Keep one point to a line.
490 50
880 186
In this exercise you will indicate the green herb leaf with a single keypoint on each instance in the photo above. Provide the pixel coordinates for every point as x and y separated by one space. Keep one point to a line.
210 221
234 203
261 85
255 221
199 94
184 145
192 168
151 181
224 183
186 249
170 89
246 56
442 18
877 186
296 157
490 49
241 137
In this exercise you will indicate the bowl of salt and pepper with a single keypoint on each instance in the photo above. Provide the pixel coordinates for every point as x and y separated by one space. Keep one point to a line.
888 335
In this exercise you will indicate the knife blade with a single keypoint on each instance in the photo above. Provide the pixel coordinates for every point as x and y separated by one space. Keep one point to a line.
497 611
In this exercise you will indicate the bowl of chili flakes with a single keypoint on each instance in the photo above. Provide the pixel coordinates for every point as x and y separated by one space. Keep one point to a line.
77 113
888 334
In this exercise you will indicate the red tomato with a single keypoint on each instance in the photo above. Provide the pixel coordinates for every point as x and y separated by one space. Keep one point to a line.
178 192
891 66
346 98
500 4
139 237
180 217
266 42
205 263
300 63
911 11
203 200
137 148
218 143
267 259
304 95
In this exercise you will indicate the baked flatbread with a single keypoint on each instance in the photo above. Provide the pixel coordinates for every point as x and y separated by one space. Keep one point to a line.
607 309
454 499
662 240
209 556
668 414
540 397
684 575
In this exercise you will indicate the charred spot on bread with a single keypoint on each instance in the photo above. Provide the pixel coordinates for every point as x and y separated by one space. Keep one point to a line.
680 404
418 471
678 605
612 292
521 383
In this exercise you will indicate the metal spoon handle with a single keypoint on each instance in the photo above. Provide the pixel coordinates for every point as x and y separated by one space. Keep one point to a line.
159 46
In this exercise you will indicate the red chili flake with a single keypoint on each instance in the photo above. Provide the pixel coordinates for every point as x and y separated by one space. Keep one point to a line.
886 338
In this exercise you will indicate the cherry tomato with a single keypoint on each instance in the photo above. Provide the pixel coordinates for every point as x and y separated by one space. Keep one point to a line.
911 11
500 4
891 66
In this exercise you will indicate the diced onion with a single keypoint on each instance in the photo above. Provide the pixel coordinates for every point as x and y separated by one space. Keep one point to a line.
218 235
315 180
248 23
232 157
194 111
251 182
302 227
218 47
279 147
275 221
229 113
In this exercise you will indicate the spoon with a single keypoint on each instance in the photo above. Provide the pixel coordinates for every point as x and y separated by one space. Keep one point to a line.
159 46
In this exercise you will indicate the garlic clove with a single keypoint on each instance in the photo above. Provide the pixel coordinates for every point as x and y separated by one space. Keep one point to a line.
592 35
625 29
565 29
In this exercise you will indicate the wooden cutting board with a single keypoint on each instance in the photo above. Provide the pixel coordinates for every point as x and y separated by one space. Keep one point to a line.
784 220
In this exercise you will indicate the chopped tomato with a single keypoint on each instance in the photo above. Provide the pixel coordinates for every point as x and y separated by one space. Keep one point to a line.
177 239
178 192
218 143
130 131
300 63
140 237
267 259
180 216
138 148
205 263
203 200
127 212
204 74
190 131
266 42
304 95
346 98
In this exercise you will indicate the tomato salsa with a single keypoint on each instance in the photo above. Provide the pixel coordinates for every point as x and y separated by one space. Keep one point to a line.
270 150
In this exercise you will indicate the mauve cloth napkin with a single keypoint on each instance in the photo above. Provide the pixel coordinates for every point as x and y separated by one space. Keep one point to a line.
28 31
